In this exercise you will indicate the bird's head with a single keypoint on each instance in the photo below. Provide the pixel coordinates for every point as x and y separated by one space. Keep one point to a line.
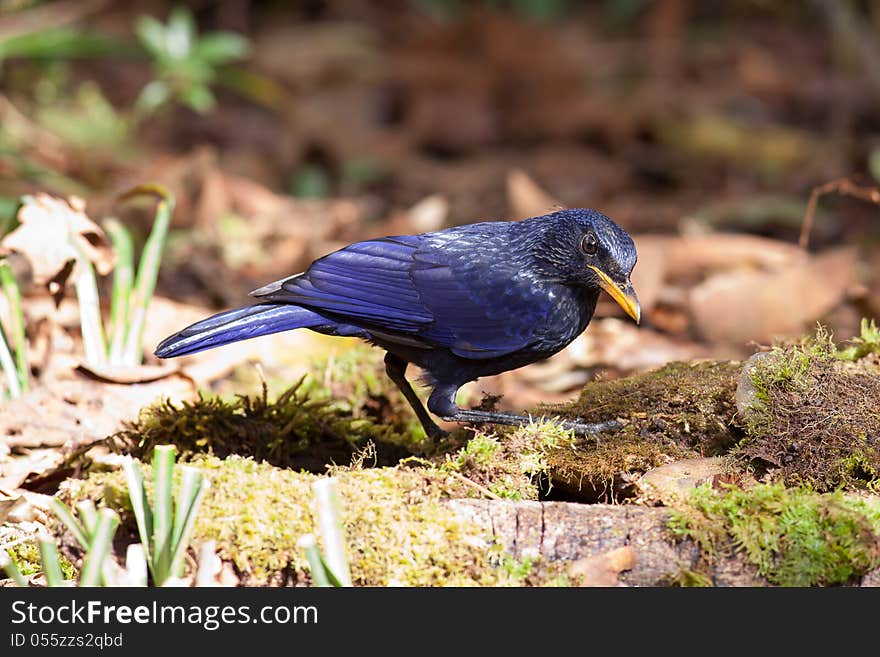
586 248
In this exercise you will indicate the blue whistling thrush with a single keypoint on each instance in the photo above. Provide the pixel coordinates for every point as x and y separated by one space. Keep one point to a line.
460 303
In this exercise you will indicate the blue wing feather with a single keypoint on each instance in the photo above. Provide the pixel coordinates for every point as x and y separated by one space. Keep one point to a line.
459 297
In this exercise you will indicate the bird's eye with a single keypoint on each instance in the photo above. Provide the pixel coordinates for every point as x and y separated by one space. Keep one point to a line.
590 245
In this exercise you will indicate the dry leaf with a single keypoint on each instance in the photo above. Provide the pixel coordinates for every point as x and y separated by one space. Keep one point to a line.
603 569
526 198
52 235
650 271
621 344
744 305
675 480
429 214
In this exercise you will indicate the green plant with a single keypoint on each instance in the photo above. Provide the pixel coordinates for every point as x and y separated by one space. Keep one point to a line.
185 63
867 343
132 294
165 529
93 531
332 569
13 355
794 536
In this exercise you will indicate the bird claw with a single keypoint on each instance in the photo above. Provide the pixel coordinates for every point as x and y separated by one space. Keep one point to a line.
592 429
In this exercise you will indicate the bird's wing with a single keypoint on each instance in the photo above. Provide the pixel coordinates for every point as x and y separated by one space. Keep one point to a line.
407 289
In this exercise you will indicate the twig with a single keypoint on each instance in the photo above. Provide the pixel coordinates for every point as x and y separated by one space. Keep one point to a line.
485 491
843 186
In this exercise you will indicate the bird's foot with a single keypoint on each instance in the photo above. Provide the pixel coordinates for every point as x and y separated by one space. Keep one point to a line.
579 427
593 429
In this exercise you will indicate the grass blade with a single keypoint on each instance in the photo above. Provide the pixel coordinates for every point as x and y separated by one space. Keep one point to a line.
7 364
88 515
209 565
316 564
19 345
93 564
192 489
330 523
7 564
163 517
148 270
123 280
94 344
331 578
51 563
66 516
140 506
135 565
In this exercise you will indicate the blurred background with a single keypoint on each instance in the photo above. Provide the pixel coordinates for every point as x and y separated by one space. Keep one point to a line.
289 129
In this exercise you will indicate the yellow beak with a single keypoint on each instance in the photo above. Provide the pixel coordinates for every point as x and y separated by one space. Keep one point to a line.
624 294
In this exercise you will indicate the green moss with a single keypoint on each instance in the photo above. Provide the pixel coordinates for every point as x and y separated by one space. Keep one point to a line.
513 464
688 578
866 344
795 536
26 555
299 429
677 411
399 530
815 418
690 404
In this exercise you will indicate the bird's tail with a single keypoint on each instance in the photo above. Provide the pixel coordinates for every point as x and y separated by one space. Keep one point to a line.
238 324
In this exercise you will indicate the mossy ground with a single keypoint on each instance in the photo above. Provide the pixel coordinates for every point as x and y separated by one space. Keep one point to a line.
399 530
815 418
25 553
511 464
680 410
301 429
795 536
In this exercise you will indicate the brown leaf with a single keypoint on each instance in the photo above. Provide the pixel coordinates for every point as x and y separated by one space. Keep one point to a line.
52 234
526 198
130 374
603 569
675 480
743 305
621 344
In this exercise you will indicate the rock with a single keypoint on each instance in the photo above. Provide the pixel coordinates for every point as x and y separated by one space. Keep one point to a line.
745 389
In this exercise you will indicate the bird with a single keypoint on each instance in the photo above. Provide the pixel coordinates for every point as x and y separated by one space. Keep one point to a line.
460 303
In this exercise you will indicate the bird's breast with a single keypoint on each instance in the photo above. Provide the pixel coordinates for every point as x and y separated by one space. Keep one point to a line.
566 314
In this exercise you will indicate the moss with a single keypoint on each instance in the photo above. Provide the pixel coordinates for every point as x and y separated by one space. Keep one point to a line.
398 528
690 404
795 536
513 464
866 344
680 410
299 429
688 578
26 555
815 418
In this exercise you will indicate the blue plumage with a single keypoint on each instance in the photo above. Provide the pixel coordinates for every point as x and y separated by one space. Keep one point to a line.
461 303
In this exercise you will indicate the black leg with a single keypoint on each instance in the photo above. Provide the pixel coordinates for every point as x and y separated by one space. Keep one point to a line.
395 367
442 403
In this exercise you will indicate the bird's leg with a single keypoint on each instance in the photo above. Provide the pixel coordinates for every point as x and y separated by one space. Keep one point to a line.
442 403
395 367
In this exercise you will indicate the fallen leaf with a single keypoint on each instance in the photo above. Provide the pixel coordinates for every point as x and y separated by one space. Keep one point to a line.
429 214
526 198
52 234
620 344
130 374
743 305
675 480
603 569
